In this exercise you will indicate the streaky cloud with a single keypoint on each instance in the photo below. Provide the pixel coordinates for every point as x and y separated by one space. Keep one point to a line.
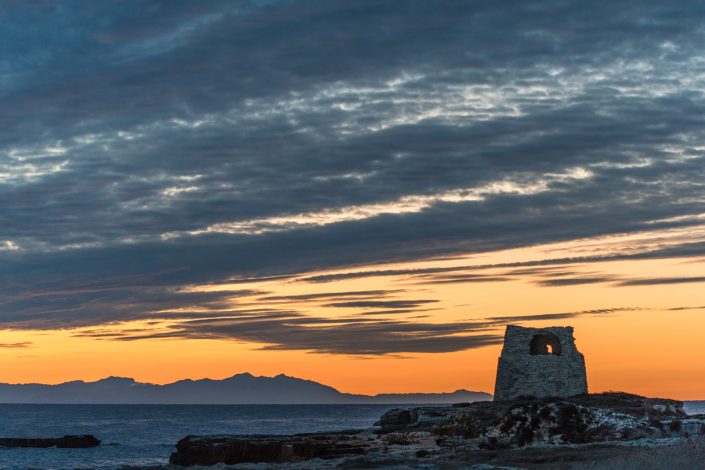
661 281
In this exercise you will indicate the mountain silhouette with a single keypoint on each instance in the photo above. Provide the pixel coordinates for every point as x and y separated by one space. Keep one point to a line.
240 389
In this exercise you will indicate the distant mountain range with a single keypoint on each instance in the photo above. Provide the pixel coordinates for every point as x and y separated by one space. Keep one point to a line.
240 389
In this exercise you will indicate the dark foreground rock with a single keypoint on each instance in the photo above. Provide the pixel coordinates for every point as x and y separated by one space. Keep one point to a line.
194 450
502 432
66 442
620 455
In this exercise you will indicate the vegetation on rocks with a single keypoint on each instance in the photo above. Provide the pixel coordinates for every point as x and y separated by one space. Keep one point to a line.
516 423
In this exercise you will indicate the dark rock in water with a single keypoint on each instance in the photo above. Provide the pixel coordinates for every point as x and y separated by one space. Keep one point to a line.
66 442
230 450
395 420
415 419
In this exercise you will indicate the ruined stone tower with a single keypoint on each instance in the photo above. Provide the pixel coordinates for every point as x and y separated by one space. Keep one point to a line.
540 362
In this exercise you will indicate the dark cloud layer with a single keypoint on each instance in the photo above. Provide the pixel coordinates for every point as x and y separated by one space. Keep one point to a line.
662 281
391 304
329 295
22 344
573 281
279 331
565 315
358 336
146 146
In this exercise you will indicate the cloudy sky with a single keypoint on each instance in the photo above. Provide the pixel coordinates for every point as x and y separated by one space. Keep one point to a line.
354 192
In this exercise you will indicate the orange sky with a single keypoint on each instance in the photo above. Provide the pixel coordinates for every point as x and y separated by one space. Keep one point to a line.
638 345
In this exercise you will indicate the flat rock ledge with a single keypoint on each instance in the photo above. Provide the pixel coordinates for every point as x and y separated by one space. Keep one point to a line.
66 442
467 432
211 450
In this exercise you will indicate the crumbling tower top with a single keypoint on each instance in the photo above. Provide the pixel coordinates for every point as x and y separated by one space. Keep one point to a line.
540 362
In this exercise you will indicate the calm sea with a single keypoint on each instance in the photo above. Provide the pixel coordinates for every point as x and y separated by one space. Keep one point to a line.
695 407
146 434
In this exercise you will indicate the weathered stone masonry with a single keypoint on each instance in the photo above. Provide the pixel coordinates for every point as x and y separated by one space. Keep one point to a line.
540 362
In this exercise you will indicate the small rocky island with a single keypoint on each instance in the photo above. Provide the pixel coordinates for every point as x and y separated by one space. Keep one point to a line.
542 417
83 441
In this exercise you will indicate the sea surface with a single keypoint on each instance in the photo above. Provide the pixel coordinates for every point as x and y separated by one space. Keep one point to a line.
134 435
146 434
694 407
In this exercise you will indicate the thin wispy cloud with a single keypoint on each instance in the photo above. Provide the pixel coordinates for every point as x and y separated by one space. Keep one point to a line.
662 281
20 345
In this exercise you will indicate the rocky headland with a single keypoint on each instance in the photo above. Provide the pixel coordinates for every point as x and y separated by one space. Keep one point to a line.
520 433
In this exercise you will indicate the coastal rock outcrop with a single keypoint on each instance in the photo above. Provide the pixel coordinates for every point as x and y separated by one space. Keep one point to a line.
575 420
415 419
469 432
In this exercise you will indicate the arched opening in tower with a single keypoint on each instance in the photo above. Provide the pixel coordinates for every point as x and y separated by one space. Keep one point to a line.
545 344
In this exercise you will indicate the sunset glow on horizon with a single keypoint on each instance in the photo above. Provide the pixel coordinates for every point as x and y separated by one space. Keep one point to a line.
451 313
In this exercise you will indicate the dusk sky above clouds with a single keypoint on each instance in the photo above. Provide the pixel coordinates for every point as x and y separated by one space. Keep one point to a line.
361 193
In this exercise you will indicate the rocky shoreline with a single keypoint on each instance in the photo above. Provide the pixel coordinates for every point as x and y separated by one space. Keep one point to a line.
521 433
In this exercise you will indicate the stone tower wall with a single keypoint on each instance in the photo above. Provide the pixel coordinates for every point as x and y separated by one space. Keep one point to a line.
520 373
